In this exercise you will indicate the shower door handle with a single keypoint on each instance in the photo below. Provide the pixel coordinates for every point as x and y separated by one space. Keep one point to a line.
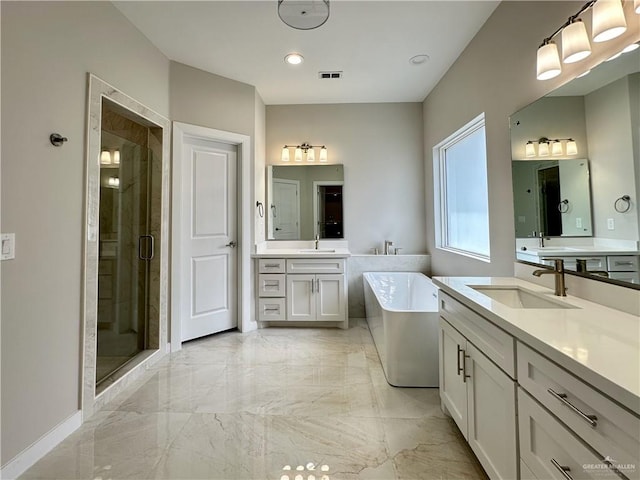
150 250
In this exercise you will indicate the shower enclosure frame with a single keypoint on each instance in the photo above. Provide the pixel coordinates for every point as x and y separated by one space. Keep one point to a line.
92 398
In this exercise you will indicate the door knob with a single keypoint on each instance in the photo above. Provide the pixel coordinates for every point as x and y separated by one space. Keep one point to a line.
231 244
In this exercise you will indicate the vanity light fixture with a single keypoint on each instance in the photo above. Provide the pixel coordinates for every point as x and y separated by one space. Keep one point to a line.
547 147
636 6
608 21
306 150
110 158
631 48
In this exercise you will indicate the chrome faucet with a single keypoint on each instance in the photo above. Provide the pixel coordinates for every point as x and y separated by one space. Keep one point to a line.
387 244
541 241
558 271
317 240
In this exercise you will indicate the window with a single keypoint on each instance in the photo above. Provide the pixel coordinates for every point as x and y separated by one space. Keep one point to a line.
461 192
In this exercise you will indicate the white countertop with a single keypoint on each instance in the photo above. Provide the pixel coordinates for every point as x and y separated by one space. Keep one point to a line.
560 251
600 345
302 253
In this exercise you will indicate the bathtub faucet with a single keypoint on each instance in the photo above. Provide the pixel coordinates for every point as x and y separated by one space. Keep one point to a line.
387 244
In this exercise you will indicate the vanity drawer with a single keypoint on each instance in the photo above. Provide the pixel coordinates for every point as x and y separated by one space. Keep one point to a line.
271 309
271 265
272 285
616 432
494 342
315 265
544 440
623 263
631 277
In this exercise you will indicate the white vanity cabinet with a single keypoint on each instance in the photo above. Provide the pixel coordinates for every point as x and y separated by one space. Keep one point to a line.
302 290
609 429
479 395
316 290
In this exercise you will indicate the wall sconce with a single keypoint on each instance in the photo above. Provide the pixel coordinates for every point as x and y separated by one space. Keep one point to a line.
113 182
553 147
607 22
305 149
110 158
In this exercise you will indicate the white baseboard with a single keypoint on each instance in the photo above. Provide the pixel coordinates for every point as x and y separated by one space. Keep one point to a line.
29 456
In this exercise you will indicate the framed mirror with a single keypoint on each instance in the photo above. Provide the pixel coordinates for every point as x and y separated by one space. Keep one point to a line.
576 173
304 201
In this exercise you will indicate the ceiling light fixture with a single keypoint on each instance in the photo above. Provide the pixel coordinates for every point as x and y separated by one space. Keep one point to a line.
608 21
419 59
304 14
293 58
631 48
636 6
305 149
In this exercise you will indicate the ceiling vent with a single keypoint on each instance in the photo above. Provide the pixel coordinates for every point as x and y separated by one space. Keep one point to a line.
324 75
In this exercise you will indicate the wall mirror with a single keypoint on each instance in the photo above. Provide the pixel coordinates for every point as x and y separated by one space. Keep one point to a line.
304 201
576 156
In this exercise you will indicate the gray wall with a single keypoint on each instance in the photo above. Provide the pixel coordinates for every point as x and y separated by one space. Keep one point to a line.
496 75
610 130
380 146
47 50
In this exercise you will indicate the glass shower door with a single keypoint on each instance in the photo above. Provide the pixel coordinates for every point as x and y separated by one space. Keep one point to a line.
126 249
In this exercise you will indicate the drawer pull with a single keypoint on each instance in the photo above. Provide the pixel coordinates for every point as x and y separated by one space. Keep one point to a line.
622 263
271 265
274 283
272 309
459 366
563 470
590 419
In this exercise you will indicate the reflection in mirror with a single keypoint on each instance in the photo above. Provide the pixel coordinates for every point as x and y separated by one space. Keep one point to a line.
552 198
567 194
305 201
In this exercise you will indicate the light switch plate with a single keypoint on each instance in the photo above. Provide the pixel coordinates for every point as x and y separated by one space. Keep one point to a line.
8 241
610 224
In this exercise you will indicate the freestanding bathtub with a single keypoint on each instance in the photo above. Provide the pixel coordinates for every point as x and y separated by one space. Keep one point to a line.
402 314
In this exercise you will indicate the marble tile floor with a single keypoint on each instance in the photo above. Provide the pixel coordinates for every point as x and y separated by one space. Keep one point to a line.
275 404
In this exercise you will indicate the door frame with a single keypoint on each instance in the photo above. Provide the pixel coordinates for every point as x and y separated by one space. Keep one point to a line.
243 144
316 193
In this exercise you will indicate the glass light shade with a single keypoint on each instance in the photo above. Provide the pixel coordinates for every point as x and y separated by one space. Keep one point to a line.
543 149
636 6
298 155
530 149
105 157
311 155
548 62
556 148
572 147
630 48
285 154
116 157
323 154
607 20
575 42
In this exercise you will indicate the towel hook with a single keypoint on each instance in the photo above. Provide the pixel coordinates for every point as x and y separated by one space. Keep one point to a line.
260 207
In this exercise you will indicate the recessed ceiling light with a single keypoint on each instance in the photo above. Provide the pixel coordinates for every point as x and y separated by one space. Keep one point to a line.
294 59
418 59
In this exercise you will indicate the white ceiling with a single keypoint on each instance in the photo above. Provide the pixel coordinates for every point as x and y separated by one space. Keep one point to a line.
371 42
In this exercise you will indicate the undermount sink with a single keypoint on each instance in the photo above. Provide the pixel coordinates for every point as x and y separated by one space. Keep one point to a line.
516 297
318 250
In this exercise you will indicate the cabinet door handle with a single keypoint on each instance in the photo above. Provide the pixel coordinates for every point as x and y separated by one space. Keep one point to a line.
312 282
562 397
318 285
464 366
459 365
562 469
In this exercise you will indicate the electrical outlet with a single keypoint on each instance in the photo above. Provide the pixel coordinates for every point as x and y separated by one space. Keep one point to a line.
578 222
8 251
610 224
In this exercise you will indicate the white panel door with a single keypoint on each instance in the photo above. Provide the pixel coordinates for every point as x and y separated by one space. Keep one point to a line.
301 300
453 391
286 209
208 268
330 298
491 403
